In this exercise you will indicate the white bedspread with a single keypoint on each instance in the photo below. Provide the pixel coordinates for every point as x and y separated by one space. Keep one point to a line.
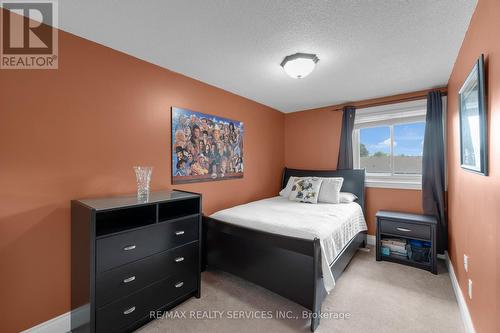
334 225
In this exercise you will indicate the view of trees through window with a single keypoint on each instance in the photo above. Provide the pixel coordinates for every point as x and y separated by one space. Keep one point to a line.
401 154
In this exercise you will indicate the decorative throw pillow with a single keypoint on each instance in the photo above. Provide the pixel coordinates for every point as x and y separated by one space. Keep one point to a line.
288 188
347 197
330 189
306 189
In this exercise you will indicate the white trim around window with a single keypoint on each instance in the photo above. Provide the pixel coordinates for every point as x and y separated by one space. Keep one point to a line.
389 115
394 182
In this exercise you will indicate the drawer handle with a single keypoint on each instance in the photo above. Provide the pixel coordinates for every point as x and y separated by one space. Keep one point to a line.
129 311
130 247
179 259
130 279
403 229
179 284
180 232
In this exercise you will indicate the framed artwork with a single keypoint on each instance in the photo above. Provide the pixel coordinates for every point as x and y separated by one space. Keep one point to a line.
205 147
473 121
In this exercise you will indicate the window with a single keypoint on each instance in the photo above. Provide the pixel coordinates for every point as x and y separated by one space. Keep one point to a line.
375 149
408 148
388 142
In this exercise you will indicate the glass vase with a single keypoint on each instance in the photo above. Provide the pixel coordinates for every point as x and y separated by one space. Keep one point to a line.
143 176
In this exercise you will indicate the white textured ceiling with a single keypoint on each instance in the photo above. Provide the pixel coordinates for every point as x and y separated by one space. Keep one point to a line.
366 48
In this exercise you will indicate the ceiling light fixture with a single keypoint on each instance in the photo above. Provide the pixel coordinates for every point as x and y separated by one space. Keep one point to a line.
299 65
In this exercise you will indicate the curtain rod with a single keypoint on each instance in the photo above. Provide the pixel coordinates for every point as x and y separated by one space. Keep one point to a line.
390 100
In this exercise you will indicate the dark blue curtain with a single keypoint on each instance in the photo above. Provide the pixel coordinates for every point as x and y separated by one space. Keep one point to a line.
433 168
345 151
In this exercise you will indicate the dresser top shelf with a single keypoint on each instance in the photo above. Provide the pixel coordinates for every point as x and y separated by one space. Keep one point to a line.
110 203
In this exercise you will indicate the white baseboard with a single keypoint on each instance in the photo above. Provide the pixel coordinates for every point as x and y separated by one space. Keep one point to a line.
462 305
62 323
59 324
370 240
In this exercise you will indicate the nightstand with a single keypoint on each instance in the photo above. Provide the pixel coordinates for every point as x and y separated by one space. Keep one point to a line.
418 232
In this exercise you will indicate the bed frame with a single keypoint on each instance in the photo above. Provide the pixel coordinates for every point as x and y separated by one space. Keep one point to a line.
288 266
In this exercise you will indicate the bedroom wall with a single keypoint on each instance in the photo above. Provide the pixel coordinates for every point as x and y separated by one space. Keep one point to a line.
76 132
473 200
312 140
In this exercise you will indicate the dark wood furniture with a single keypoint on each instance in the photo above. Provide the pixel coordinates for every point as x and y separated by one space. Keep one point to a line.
407 226
288 266
130 258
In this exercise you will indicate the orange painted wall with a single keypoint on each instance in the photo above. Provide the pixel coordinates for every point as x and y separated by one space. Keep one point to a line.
76 132
474 200
409 201
312 141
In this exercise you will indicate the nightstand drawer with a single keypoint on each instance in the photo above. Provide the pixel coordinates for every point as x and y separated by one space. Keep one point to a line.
405 229
124 280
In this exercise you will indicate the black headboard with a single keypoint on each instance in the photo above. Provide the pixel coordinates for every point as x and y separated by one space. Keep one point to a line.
354 180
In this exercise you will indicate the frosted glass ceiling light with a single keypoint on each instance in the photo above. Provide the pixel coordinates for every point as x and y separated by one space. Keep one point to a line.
299 65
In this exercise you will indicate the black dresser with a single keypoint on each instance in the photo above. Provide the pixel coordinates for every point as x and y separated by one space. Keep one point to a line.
412 229
130 259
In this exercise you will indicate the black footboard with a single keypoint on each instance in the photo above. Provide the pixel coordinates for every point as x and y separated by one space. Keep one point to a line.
264 259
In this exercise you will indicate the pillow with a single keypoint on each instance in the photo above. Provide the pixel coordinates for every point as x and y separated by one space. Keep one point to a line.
288 188
330 190
306 189
346 197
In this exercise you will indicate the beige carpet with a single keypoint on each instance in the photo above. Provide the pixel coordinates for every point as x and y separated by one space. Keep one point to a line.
369 297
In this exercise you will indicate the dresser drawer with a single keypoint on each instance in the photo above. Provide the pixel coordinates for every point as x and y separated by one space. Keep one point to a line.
405 229
117 316
127 247
126 279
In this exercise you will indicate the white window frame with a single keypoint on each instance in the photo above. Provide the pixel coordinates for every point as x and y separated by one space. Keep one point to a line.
388 115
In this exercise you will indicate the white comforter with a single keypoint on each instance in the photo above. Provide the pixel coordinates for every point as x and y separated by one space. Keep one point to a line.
334 225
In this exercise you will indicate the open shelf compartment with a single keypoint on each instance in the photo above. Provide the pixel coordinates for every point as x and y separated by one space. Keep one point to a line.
402 258
109 222
166 210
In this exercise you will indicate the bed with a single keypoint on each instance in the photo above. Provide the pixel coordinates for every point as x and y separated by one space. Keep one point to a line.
268 241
